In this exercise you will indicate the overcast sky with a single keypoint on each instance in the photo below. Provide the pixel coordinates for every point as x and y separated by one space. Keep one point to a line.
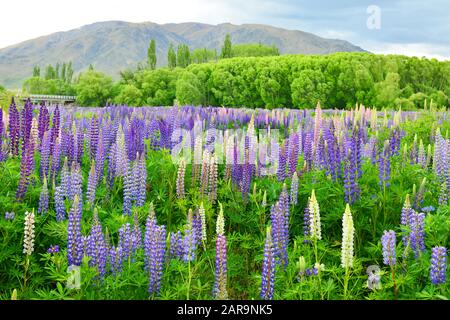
412 27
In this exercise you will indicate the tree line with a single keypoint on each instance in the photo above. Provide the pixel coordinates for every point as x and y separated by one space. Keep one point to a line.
295 81
256 76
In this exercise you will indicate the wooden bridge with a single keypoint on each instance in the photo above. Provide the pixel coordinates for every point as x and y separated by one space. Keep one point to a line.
36 98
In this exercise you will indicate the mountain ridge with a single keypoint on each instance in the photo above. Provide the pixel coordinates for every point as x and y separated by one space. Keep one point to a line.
116 45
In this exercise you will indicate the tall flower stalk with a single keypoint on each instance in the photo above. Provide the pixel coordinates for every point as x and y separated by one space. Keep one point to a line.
220 283
348 232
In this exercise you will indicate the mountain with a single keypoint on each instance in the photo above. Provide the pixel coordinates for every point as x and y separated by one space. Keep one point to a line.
116 45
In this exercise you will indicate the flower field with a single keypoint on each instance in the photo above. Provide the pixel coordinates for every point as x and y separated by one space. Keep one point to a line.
220 203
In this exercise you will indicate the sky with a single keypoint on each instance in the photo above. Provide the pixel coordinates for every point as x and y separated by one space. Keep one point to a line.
410 27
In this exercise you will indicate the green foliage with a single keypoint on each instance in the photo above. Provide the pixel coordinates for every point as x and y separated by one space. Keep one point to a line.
171 57
93 88
151 55
54 82
129 95
188 89
338 80
254 50
183 56
203 55
227 51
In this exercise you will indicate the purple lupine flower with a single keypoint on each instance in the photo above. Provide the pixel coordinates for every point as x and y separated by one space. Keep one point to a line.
45 155
220 283
126 241
428 209
128 182
293 151
53 249
438 267
156 259
26 120
140 178
43 121
75 182
246 176
268 268
154 249
306 222
99 160
189 240
357 153
388 244
43 198
176 245
384 165
14 128
74 238
281 170
197 226
79 144
56 158
10 215
279 234
350 176
91 185
115 257
54 133
60 208
417 235
404 220
26 168
93 137
96 248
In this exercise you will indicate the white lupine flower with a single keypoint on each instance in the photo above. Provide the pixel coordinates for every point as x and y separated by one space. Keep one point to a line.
220 224
314 211
201 211
28 241
348 232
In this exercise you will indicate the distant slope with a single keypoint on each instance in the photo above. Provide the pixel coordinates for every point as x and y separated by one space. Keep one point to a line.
114 45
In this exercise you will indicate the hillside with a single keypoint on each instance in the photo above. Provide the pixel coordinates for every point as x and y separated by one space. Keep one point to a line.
114 45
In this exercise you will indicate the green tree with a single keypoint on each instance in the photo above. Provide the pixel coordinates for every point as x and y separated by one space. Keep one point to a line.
57 71
188 89
63 71
388 90
254 50
151 55
183 56
49 72
129 95
93 88
309 88
171 57
69 73
203 55
36 71
226 48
